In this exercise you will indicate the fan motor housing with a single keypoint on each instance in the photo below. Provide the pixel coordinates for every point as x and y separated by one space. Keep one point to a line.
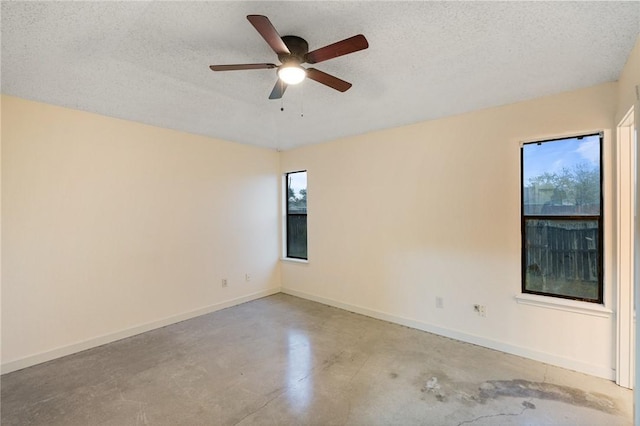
298 48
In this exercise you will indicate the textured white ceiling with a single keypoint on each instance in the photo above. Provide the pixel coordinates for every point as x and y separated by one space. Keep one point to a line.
148 61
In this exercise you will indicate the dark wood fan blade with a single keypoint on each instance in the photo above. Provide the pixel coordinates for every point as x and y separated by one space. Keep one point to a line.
328 80
340 48
269 33
235 67
278 90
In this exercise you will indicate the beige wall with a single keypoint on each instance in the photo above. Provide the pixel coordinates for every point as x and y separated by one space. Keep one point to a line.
402 216
110 228
113 227
629 79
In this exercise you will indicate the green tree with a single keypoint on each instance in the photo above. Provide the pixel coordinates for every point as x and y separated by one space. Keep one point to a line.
296 201
579 185
587 188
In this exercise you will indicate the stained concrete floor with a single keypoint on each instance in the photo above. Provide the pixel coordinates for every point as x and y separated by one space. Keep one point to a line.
282 360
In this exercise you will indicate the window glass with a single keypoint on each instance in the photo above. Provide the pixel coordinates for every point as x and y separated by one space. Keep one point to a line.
562 257
562 177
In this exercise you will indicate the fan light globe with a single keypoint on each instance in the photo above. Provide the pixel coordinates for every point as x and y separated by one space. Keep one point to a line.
291 74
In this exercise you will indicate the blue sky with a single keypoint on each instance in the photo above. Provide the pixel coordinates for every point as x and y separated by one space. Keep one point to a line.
553 156
298 182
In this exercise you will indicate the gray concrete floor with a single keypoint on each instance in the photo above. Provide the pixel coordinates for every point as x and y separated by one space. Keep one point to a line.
288 361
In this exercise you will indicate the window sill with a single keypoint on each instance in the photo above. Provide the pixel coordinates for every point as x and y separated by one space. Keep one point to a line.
294 260
585 308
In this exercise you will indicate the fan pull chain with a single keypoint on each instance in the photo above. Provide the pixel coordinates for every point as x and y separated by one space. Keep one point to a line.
281 97
302 101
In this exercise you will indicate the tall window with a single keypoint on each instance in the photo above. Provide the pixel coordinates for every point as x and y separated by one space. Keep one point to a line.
296 215
562 218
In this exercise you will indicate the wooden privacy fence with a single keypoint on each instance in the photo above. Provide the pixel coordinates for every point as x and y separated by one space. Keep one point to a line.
297 235
565 252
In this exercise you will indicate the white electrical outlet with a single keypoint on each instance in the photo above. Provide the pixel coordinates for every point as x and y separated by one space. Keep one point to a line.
224 282
439 302
480 310
247 277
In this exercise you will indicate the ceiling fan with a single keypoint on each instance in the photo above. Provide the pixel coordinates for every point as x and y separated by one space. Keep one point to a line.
293 51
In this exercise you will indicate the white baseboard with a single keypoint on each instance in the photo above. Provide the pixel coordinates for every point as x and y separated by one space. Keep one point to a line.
571 364
568 363
39 358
